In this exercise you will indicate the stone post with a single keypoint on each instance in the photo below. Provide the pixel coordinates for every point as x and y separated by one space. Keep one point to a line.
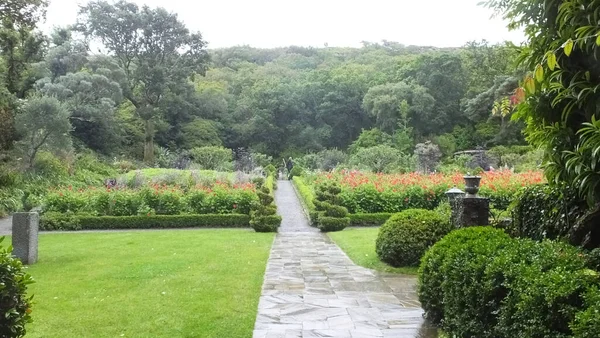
25 236
472 211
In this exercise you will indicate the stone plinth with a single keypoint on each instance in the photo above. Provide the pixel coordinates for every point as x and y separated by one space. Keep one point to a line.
25 236
471 211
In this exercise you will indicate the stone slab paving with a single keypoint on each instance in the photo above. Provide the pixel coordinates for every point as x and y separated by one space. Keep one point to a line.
290 209
312 289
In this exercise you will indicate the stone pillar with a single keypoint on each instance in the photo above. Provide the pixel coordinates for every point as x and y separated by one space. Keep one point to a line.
472 211
25 236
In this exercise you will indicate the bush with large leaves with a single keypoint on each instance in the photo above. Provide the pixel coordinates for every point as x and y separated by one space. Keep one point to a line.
559 96
15 305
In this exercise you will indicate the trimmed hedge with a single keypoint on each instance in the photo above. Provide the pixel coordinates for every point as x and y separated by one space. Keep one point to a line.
405 237
57 221
265 223
368 220
15 306
545 212
306 197
263 217
479 282
329 224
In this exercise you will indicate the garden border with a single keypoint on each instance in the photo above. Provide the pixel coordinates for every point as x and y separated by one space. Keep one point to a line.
62 222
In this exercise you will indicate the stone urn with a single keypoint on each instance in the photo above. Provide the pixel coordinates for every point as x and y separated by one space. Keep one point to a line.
472 185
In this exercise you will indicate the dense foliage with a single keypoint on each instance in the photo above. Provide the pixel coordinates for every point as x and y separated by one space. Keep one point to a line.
551 212
150 200
15 305
374 193
559 95
479 282
404 237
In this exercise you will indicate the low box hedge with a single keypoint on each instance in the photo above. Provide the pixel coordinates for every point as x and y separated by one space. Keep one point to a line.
479 282
368 220
57 221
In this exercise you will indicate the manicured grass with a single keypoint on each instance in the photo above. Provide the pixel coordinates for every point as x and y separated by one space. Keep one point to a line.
203 283
359 245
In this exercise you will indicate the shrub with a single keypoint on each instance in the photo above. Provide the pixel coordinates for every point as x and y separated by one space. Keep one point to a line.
15 306
545 212
587 322
54 221
368 220
10 201
335 211
431 277
478 282
50 166
213 158
265 223
271 170
330 215
263 216
8 177
405 237
328 224
296 171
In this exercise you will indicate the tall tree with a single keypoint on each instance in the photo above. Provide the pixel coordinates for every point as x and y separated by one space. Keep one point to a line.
23 12
153 48
44 122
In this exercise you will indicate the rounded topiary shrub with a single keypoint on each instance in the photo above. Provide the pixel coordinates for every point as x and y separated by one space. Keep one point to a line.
14 303
266 223
328 224
405 237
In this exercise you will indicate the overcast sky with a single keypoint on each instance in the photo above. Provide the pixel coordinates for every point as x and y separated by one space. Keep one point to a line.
275 23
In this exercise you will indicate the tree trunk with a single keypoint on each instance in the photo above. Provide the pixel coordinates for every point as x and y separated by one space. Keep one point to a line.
149 142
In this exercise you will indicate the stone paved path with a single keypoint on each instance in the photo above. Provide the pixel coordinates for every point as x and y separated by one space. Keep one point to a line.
312 289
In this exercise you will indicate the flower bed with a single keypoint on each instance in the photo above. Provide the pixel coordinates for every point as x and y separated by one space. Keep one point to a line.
380 193
153 199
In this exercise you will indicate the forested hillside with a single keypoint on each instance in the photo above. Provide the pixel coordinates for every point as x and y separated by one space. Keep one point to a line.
135 96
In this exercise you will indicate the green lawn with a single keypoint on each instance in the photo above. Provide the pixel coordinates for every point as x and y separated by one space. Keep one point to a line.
359 245
203 283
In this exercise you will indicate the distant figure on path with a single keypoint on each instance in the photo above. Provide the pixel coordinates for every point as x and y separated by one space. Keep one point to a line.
289 165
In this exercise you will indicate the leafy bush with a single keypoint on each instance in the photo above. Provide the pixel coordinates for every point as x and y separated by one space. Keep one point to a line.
56 221
546 212
50 166
328 224
15 306
382 159
10 201
368 220
8 177
480 282
271 170
213 158
405 237
296 171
